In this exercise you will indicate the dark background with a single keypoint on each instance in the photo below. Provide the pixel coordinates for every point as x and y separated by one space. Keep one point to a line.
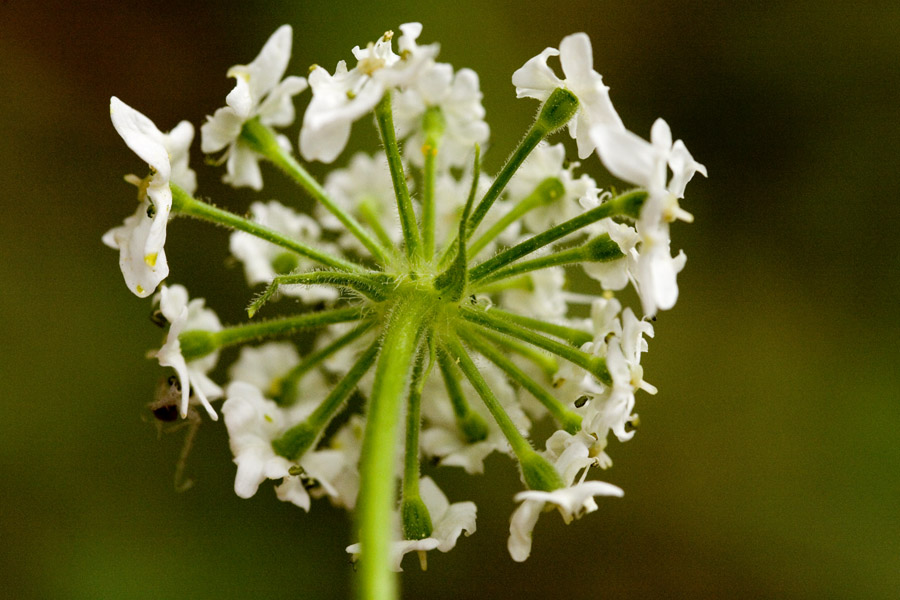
766 466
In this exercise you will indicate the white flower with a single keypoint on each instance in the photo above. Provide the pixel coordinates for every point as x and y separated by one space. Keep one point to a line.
253 422
604 319
259 92
264 260
612 410
441 437
614 274
544 297
183 315
450 197
572 382
338 363
337 464
572 501
340 99
448 523
264 366
141 239
364 185
646 164
633 159
458 98
537 80
547 161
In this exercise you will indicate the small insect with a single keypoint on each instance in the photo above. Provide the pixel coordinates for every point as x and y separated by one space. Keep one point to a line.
632 424
159 319
165 409
308 481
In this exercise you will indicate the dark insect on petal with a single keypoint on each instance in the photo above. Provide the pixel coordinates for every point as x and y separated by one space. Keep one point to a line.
167 413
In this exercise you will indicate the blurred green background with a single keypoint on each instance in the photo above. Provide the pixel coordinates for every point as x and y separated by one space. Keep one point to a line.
767 466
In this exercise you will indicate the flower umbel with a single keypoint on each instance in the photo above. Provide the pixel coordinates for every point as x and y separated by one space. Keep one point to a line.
434 297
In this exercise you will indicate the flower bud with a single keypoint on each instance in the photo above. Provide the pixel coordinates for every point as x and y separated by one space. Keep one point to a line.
558 110
601 249
550 190
416 519
474 427
539 474
197 344
295 441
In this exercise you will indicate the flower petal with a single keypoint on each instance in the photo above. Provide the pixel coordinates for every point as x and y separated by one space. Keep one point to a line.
535 79
220 130
627 156
141 135
577 58
521 526
268 67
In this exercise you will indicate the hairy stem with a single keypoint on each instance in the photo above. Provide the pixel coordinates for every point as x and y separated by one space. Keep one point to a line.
184 204
377 474
262 140
628 204
411 235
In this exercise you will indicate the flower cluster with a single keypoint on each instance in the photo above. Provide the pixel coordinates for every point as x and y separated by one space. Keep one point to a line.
439 295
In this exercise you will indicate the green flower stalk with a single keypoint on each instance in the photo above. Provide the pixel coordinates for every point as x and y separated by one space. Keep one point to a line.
435 294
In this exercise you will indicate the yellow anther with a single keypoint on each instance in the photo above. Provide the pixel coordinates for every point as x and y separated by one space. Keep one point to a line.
369 65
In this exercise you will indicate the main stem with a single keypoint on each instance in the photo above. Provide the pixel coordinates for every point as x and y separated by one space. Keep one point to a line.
376 581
